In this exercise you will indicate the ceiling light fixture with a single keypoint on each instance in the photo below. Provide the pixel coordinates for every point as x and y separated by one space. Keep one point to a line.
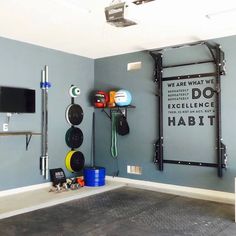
139 2
116 15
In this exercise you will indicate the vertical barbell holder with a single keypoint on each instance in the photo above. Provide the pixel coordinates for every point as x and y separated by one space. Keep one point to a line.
42 158
46 122
45 85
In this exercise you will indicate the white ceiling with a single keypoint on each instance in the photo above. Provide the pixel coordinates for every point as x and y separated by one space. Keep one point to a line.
79 27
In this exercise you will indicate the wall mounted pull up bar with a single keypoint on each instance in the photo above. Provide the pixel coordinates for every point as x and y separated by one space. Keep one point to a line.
218 60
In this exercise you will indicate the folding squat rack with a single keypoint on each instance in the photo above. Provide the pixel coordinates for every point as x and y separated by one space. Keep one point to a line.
218 60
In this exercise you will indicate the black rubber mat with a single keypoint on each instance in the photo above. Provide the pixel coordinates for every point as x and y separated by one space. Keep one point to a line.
129 212
184 216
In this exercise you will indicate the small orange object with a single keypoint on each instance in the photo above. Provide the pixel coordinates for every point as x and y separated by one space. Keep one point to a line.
111 102
80 181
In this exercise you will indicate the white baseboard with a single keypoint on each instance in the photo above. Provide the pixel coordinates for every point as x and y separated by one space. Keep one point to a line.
24 189
204 194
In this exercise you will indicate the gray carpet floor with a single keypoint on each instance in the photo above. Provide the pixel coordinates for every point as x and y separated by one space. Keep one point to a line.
129 212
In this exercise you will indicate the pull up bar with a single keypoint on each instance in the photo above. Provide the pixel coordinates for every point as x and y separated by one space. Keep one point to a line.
179 46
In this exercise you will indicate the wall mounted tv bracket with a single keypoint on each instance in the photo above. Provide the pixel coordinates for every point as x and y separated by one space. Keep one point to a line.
218 60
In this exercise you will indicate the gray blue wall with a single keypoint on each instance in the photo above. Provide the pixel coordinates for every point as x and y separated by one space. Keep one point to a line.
21 66
181 143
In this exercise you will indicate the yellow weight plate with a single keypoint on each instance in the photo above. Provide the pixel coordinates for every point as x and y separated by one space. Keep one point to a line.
68 160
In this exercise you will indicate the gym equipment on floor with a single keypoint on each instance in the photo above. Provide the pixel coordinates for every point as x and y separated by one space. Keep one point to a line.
74 161
57 176
218 60
94 176
45 85
80 181
74 114
74 137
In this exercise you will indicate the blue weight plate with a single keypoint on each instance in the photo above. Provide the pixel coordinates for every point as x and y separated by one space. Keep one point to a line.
94 177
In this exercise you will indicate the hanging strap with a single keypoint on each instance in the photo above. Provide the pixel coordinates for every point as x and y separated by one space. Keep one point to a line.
114 151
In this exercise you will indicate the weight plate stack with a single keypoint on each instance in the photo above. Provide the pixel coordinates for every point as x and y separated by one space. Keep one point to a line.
94 176
74 160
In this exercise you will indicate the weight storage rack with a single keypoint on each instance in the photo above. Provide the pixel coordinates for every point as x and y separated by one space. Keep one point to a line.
218 60
120 109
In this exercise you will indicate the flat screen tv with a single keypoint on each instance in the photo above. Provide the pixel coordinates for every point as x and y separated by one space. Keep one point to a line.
17 100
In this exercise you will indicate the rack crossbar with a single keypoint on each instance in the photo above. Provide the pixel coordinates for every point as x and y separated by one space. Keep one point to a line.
188 64
193 163
193 76
179 46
